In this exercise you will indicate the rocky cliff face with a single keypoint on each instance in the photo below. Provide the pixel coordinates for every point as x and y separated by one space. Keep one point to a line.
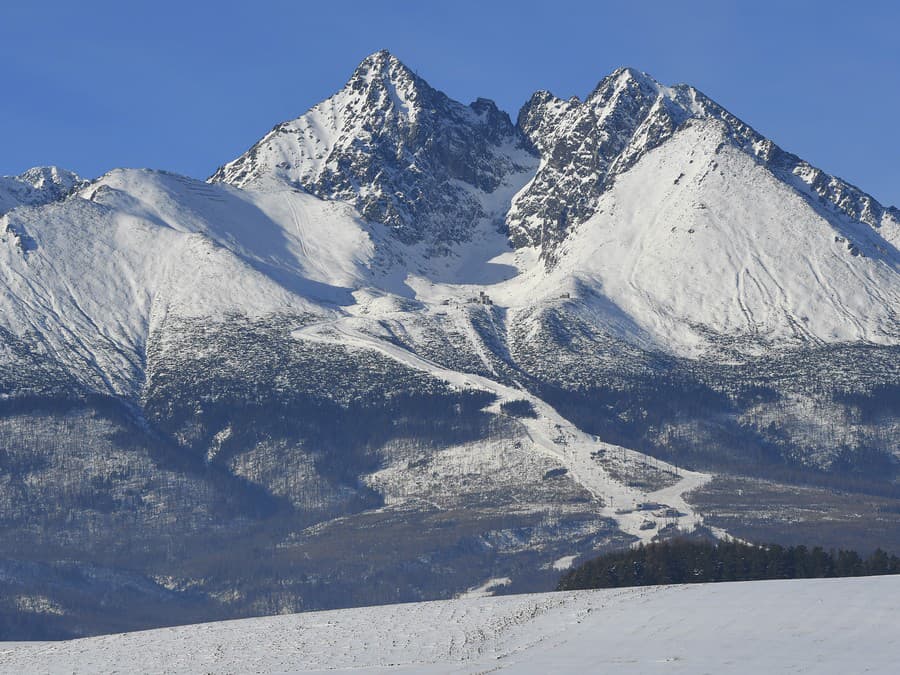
585 145
402 152
408 156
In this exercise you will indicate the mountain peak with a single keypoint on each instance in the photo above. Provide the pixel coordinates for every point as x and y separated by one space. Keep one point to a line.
38 185
40 177
383 69
380 61
628 82
587 145
404 154
625 73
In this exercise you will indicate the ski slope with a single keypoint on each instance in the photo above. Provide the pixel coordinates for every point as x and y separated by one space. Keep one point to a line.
803 626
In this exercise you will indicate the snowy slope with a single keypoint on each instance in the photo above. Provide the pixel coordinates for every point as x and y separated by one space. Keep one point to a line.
698 237
322 247
585 145
549 435
39 185
88 279
805 626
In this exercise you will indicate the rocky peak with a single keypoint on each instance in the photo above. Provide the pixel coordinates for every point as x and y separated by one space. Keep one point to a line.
585 145
430 168
381 65
39 185
382 83
403 153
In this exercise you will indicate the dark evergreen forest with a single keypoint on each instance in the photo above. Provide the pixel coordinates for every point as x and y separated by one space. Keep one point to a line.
688 561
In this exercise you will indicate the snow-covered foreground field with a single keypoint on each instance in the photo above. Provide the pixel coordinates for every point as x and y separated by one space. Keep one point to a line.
807 626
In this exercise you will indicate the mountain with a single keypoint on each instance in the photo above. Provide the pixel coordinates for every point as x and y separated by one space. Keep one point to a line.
699 236
587 145
432 169
403 153
36 186
403 347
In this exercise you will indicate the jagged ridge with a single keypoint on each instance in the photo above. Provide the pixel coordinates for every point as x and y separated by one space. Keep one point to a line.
402 152
584 146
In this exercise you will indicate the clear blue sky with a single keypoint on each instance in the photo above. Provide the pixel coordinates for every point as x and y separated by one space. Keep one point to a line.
186 86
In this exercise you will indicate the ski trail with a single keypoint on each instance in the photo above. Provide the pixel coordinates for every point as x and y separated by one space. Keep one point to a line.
297 226
464 321
741 299
552 435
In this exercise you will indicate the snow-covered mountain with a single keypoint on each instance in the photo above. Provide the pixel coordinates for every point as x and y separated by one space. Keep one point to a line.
402 318
712 230
36 186
700 237
90 279
586 145
403 153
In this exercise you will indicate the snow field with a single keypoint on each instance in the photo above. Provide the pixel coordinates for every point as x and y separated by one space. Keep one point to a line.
804 626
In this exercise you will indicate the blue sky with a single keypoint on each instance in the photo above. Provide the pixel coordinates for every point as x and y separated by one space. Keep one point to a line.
186 86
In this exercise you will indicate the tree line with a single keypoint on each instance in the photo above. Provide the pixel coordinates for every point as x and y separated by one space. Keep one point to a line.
684 561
